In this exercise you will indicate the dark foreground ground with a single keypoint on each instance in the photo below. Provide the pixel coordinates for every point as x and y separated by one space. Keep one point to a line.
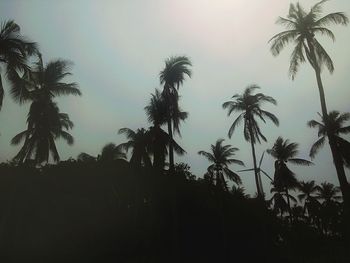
78 212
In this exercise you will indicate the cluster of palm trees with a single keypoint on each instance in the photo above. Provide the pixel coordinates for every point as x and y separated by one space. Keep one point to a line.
40 85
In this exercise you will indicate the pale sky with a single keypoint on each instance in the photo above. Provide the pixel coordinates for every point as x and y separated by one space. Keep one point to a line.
119 47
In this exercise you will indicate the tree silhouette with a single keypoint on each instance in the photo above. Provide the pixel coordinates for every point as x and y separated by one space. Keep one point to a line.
336 128
45 123
249 106
156 113
284 151
172 77
302 28
14 51
307 195
139 141
278 203
221 157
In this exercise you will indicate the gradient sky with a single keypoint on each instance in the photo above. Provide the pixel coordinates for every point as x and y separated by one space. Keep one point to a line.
119 47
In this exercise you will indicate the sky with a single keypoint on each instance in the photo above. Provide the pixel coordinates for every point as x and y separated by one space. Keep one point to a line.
119 48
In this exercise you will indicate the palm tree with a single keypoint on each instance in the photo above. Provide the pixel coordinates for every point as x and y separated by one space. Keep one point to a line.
14 51
172 77
284 151
330 206
336 127
109 152
249 106
221 158
328 193
45 125
156 113
307 194
302 28
280 205
139 141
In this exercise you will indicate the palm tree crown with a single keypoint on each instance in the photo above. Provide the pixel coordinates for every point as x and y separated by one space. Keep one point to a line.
336 128
249 105
302 27
221 157
14 51
139 141
284 151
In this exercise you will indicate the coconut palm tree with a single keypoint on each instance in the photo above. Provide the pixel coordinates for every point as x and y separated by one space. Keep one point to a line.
336 121
278 202
109 152
45 125
139 141
221 157
328 193
156 113
307 195
249 106
302 28
341 148
283 152
14 51
172 77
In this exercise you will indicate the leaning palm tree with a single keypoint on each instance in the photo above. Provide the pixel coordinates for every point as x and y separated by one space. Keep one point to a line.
221 157
156 113
139 142
172 77
302 28
249 106
283 152
14 51
45 125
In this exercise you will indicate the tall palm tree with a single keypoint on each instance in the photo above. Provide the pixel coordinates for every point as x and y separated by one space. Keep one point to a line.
156 113
249 106
172 77
221 157
302 28
45 125
283 152
139 141
14 51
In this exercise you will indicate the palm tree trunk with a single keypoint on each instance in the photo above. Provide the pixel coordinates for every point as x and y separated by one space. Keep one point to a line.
290 209
257 178
171 148
337 159
338 162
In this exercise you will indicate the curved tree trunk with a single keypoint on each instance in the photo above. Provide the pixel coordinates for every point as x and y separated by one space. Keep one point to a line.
337 159
338 162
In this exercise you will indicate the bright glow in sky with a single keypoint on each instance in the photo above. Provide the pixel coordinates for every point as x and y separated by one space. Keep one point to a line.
119 48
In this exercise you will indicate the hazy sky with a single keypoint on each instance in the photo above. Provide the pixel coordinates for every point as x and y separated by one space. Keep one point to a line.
119 47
